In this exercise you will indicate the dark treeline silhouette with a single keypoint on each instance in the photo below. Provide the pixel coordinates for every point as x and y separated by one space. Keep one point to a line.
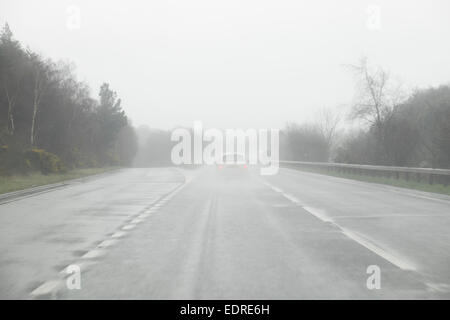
313 142
50 121
154 147
398 130
415 133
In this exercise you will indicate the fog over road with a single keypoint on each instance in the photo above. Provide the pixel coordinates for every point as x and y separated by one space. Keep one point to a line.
166 233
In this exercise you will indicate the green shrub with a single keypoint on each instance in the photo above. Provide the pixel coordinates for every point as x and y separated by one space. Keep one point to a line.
92 162
44 161
112 158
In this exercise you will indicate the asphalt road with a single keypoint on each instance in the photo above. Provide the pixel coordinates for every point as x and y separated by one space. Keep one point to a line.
164 233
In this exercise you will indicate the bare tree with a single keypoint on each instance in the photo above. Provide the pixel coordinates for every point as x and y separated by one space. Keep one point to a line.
328 122
11 97
375 101
377 94
11 72
41 75
372 103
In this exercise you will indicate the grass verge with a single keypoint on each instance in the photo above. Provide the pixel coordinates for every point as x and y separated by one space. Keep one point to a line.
402 183
19 182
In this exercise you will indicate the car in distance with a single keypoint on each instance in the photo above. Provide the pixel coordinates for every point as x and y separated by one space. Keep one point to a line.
233 160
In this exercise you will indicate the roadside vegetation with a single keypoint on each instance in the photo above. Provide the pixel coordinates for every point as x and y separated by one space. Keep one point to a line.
384 126
21 181
390 128
402 183
51 124
51 127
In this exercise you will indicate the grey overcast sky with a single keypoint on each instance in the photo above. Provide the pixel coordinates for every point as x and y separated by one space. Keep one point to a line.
235 63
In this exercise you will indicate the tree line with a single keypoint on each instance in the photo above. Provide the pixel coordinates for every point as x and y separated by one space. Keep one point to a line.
50 121
394 128
46 113
388 127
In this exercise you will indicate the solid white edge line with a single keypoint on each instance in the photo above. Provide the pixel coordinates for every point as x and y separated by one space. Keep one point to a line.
321 215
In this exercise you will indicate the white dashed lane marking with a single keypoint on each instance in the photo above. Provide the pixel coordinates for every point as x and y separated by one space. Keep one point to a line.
276 189
401 263
50 288
119 234
107 243
84 265
94 253
291 198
